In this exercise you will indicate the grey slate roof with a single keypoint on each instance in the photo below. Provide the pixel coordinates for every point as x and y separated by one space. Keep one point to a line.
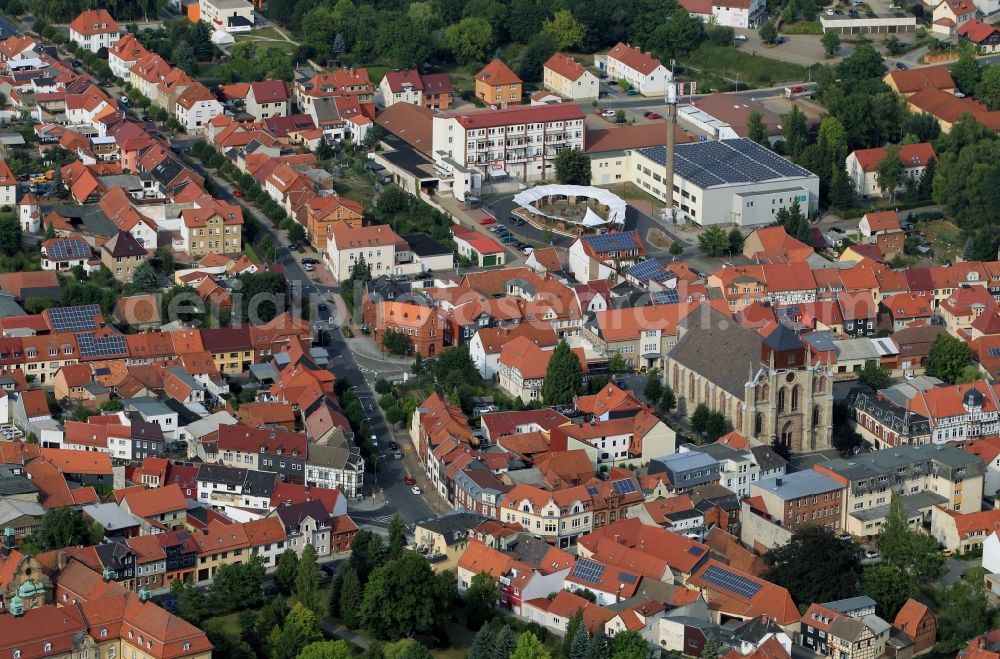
767 459
453 527
720 350
799 484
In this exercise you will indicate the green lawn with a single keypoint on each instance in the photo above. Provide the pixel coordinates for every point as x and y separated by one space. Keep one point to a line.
944 237
714 62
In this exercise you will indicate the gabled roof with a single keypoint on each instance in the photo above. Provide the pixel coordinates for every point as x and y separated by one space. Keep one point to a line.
634 58
565 67
915 79
94 21
497 73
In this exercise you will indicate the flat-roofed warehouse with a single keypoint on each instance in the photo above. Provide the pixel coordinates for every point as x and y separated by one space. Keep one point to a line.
726 181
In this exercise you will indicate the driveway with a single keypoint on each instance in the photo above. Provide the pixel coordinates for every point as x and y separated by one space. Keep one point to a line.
802 49
956 568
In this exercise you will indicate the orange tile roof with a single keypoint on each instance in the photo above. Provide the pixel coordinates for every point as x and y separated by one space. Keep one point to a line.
264 531
915 79
478 558
634 58
94 21
565 67
771 600
909 617
78 462
497 73
627 323
155 501
681 553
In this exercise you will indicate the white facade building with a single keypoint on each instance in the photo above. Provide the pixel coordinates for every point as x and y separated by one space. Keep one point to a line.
640 70
516 142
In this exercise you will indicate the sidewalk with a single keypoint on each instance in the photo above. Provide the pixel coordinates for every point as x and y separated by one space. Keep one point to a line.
365 346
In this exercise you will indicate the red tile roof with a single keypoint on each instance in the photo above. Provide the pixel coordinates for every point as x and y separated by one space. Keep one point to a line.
565 67
497 73
634 58
925 77
515 115
94 21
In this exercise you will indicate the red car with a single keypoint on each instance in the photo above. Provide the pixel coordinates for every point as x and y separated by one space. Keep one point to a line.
410 480
238 194
487 220
653 116
798 90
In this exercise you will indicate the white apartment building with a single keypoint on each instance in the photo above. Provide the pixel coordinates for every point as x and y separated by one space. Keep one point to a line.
516 142
640 70
570 79
348 244
227 15
94 29
336 468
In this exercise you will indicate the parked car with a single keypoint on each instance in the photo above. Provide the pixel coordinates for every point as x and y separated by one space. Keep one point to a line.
515 221
632 92
409 480
294 247
393 446
901 66
308 267
415 489
871 554
322 306
838 12
487 220
740 37
238 194
310 261
846 537
397 455
124 100
654 116
508 240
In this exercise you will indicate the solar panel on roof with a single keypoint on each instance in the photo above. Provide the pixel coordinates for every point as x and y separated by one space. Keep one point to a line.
610 242
722 162
100 346
68 249
732 582
669 296
646 270
74 319
625 577
591 490
588 570
695 550
993 352
624 486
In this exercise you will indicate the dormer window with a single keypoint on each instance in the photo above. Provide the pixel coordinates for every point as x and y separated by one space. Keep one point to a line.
47 647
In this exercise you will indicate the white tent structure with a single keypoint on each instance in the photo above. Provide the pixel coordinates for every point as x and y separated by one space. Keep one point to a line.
222 38
615 205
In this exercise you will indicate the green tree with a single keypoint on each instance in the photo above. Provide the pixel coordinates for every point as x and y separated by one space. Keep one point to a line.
539 49
841 192
677 35
905 549
599 646
286 570
768 33
326 650
966 72
874 376
407 648
713 240
676 249
470 39
566 30
237 586
307 579
712 648
948 358
572 630
482 644
988 89
455 367
757 129
262 296
296 233
145 279
63 527
735 238
573 167
402 598
831 43
794 567
333 603
351 596
10 234
563 377
889 587
480 600
192 605
185 59
832 140
629 645
396 342
963 613
580 642
864 63
397 536
226 643
668 400
890 172
795 131
504 642
654 387
529 647
367 553
361 271
716 425
299 630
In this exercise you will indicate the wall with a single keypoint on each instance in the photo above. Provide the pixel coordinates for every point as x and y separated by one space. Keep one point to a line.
757 532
